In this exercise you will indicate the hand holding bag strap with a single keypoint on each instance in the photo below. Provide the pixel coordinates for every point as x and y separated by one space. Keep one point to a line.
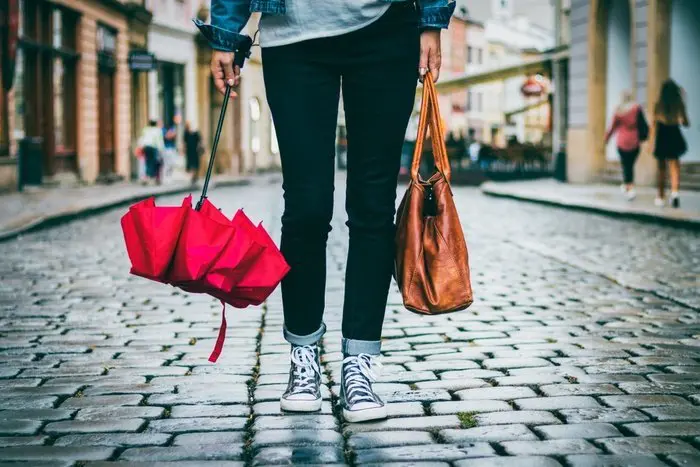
430 115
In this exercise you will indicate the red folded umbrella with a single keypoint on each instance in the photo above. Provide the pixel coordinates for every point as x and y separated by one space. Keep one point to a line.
269 269
202 240
200 250
151 233
240 253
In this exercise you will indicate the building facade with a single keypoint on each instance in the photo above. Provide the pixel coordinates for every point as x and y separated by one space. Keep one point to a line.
71 93
477 60
90 74
628 44
172 88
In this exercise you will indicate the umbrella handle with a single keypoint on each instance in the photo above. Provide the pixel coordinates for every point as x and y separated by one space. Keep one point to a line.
215 143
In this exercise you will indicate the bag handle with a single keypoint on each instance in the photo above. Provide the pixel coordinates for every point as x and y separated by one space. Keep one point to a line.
430 115
446 168
214 145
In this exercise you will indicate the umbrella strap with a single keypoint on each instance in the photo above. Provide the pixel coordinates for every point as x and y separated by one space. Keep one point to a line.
219 346
214 145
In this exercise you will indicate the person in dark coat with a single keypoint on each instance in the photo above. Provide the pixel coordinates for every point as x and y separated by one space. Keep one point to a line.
193 150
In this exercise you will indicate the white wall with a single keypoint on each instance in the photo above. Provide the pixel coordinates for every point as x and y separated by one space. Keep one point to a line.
685 66
619 71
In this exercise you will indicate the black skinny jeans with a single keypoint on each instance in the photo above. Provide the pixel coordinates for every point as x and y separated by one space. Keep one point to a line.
627 160
377 69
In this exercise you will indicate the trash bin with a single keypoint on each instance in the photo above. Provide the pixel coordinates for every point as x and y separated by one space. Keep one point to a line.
30 169
560 166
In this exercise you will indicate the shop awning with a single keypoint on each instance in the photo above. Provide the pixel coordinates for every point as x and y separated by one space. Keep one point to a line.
529 67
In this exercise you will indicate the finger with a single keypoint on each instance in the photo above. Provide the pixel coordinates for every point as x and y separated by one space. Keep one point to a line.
227 65
423 63
218 75
434 63
237 75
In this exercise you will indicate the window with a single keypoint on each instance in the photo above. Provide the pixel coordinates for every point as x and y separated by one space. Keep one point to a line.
479 101
504 4
480 55
469 54
469 100
45 82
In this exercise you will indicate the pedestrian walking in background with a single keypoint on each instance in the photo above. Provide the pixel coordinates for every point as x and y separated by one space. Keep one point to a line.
170 154
151 141
375 50
474 150
141 161
629 127
670 145
193 151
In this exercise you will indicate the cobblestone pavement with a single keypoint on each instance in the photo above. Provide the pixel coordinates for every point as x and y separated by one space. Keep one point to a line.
582 349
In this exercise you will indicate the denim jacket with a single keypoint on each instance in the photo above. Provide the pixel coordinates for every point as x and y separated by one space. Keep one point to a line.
229 17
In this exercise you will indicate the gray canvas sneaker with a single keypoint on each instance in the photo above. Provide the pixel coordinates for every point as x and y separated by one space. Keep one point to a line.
303 392
358 401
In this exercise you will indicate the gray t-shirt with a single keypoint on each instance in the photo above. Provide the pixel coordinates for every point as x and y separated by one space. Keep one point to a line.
312 19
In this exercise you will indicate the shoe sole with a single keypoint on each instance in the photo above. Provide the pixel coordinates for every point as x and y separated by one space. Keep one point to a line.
357 416
300 406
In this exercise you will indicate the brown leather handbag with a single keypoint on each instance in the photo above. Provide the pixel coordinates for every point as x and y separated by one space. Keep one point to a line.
432 263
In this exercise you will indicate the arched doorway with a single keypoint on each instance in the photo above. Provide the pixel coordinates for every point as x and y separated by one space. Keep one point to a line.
685 66
619 69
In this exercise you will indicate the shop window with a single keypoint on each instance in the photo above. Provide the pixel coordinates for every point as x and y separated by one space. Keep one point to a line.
171 94
44 92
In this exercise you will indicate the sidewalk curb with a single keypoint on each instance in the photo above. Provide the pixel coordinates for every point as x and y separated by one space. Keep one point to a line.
68 215
691 224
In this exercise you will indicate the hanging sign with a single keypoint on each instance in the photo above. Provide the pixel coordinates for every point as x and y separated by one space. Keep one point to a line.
534 86
142 60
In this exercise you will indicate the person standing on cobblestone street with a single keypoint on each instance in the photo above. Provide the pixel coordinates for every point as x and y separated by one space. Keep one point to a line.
193 151
375 50
170 154
626 125
670 145
151 140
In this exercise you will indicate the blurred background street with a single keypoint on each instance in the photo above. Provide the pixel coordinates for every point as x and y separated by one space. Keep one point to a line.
582 348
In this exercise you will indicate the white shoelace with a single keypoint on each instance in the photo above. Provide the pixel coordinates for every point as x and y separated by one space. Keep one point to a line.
305 368
362 370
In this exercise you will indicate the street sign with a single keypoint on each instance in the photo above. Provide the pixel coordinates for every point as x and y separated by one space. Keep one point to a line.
141 60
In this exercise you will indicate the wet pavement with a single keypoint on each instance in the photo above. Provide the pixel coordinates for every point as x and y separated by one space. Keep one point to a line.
581 349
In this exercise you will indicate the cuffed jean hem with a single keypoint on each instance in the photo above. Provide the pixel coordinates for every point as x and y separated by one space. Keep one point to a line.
304 340
356 347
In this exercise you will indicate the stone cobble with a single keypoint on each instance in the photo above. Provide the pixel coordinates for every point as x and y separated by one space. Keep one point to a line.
581 349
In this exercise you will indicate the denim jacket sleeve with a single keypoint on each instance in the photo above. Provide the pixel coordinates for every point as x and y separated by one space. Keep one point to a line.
228 18
436 13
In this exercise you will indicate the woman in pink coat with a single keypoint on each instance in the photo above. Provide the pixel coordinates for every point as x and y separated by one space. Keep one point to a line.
626 123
